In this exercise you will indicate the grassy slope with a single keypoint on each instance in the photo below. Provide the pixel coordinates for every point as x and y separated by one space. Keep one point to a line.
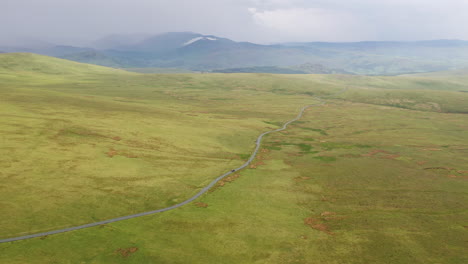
30 63
382 205
158 70
122 143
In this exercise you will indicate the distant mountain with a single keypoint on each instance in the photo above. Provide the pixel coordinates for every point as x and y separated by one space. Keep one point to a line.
198 52
318 69
164 42
92 57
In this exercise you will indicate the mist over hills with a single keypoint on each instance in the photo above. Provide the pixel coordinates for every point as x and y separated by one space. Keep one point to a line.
198 52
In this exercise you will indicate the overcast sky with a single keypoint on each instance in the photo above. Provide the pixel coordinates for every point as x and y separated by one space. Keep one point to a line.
262 21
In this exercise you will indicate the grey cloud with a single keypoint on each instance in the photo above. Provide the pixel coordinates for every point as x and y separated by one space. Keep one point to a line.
81 21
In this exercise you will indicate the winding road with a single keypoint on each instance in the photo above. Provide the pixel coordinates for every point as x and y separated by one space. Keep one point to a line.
200 193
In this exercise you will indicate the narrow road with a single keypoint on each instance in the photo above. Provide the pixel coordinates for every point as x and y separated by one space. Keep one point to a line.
200 193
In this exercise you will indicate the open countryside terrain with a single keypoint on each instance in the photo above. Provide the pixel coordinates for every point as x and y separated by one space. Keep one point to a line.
378 175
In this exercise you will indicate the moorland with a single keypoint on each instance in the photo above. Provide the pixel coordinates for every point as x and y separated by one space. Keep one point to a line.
377 175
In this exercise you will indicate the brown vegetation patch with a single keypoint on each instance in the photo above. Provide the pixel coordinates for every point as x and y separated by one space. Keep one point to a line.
420 163
455 176
125 252
462 172
117 138
255 165
392 156
439 168
112 152
327 213
264 150
431 149
320 223
130 155
317 224
223 182
200 204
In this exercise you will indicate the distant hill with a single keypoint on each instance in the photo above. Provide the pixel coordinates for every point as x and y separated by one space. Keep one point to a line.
307 68
93 57
264 69
198 52
158 70
23 63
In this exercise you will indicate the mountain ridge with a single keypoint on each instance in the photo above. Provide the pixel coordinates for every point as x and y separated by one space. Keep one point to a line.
199 52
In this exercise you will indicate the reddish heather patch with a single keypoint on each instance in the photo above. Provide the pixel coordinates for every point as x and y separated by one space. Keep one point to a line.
264 150
439 168
327 213
255 165
117 138
125 252
459 177
392 156
420 163
200 204
317 225
223 182
112 152
130 155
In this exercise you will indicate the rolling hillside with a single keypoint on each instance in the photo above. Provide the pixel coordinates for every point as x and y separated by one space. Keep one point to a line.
14 63
377 175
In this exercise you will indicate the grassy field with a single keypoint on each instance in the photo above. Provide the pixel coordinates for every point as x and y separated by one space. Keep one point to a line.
376 176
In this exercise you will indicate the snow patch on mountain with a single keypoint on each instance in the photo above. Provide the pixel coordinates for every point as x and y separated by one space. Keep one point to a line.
198 39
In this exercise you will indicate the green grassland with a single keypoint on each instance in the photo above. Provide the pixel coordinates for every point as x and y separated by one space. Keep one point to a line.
378 175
